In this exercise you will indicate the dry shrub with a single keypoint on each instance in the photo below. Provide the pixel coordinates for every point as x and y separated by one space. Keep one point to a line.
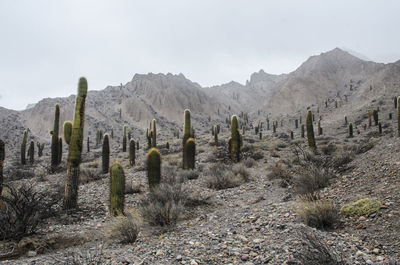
221 177
188 174
278 171
315 250
125 228
257 155
341 158
249 162
88 175
133 187
317 213
311 179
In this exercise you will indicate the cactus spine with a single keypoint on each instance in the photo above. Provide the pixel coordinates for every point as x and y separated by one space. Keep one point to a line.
75 148
67 129
153 161
235 140
31 152
54 138
310 131
117 189
350 129
2 158
132 152
23 148
190 150
105 154
154 136
124 140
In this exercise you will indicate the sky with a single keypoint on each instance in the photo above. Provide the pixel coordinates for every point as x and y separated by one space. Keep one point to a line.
46 45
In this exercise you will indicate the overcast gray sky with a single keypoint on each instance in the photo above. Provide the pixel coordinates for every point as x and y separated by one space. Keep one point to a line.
46 45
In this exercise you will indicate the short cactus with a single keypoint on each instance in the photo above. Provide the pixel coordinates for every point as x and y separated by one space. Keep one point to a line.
132 153
153 162
23 148
105 154
167 145
117 189
310 131
235 142
190 151
67 129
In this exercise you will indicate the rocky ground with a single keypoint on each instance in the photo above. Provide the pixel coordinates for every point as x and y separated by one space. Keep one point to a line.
253 223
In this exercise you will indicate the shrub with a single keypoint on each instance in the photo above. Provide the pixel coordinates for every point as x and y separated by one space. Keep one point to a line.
241 171
164 204
257 155
88 175
125 228
278 171
341 158
311 179
361 207
220 177
188 174
317 213
315 251
249 162
133 187
22 208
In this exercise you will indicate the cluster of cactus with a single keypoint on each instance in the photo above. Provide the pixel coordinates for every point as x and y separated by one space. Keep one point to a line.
153 163
23 147
105 154
132 153
40 147
75 148
124 139
55 140
310 131
188 143
117 189
2 158
235 141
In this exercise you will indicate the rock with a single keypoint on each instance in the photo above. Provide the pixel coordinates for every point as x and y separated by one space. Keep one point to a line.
360 226
193 262
179 257
32 253
375 251
245 257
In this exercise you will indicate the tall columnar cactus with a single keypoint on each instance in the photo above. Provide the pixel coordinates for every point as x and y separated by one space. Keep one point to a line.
23 148
215 128
124 140
153 161
112 133
380 127
319 127
117 189
137 145
31 152
187 126
302 131
235 139
350 129
88 144
376 117
310 131
296 122
105 154
2 158
132 152
369 118
75 148
54 138
395 102
398 116
190 150
40 147
345 120
67 129
60 149
154 136
148 137
291 135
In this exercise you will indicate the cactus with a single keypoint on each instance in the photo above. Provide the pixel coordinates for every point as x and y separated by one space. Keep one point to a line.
60 148
132 154
67 128
376 117
54 138
319 128
190 151
167 145
40 148
88 144
117 189
350 130
310 131
105 154
112 133
215 135
395 102
186 134
369 118
302 131
31 152
137 145
23 148
2 158
124 140
398 116
291 135
235 141
75 148
380 127
154 136
345 120
390 116
260 135
153 161
296 122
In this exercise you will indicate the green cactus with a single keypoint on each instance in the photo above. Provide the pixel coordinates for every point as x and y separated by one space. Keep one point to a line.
215 128
137 145
187 126
302 131
23 148
235 140
380 127
117 189
132 153
350 129
398 116
124 140
395 102
105 154
154 136
88 144
67 128
2 158
310 131
376 117
319 128
296 123
190 151
291 135
167 145
60 149
54 138
75 148
31 152
153 161
345 120
112 133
